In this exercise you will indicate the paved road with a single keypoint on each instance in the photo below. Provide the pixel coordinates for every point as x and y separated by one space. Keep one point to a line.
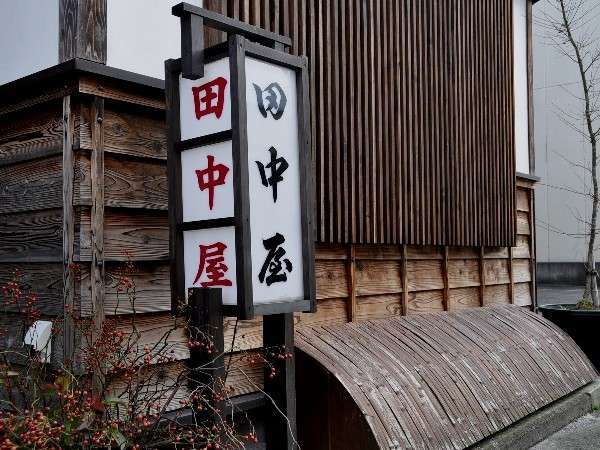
558 293
583 434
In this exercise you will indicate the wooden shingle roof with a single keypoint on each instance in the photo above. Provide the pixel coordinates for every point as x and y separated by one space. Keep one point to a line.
448 380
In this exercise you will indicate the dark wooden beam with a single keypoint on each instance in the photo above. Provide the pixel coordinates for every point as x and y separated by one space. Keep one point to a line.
82 31
207 365
68 232
97 213
530 110
280 385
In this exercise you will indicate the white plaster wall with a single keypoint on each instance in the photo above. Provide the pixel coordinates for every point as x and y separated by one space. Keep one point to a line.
28 37
561 152
521 91
142 34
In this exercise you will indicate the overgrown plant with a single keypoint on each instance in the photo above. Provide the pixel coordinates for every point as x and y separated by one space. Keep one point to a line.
571 30
119 391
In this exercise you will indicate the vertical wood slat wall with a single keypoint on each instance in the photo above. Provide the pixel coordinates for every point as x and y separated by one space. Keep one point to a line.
411 113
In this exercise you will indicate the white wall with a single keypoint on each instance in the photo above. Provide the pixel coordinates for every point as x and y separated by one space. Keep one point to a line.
521 91
28 37
560 150
142 34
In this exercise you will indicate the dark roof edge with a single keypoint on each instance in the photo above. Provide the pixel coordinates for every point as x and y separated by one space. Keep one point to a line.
528 176
82 66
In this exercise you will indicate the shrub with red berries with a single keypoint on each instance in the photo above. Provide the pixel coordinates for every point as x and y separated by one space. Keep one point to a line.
120 390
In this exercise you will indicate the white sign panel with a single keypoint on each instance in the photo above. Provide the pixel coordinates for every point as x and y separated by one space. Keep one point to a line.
274 182
273 218
210 260
207 182
205 104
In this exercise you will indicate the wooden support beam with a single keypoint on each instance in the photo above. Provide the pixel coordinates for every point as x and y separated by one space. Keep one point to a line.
82 30
511 276
404 269
68 232
481 275
532 250
351 269
207 365
278 336
446 298
192 46
530 110
97 214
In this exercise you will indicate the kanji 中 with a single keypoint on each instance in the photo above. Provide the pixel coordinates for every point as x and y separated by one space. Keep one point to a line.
211 177
212 262
209 98
277 166
273 264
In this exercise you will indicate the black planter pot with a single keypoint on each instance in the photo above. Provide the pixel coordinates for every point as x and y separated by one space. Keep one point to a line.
582 325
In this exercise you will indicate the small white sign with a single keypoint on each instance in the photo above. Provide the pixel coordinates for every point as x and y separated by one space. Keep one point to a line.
207 182
205 104
209 257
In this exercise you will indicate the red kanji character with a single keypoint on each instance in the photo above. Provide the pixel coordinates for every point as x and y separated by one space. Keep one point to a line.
211 177
212 262
205 104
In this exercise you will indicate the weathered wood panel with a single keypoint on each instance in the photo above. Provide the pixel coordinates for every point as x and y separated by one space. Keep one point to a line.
31 133
425 302
136 235
151 293
31 185
42 279
328 311
378 277
114 90
464 298
378 307
31 237
412 119
133 133
425 275
522 294
463 273
82 30
523 247
330 278
127 183
245 376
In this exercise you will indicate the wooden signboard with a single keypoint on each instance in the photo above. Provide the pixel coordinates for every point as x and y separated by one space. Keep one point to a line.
240 192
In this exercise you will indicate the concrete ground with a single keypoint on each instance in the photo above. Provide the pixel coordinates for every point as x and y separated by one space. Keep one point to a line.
583 434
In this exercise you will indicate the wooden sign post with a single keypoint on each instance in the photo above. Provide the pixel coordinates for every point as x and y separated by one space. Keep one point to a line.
240 184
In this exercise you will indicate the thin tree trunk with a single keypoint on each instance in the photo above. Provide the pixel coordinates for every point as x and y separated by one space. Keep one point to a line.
591 285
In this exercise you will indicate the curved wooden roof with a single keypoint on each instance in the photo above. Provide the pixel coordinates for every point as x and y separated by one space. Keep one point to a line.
449 380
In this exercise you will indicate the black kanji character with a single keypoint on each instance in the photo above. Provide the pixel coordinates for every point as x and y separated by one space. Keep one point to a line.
272 99
277 166
273 263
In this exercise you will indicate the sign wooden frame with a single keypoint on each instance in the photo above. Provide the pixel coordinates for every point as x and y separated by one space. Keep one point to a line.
237 49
